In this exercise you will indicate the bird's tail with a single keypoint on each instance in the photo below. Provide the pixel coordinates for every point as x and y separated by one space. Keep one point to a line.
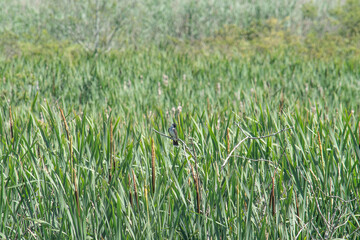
175 143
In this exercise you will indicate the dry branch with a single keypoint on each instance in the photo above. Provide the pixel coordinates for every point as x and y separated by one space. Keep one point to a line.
249 137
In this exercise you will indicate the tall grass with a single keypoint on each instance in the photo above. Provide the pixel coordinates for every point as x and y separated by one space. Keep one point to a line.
56 162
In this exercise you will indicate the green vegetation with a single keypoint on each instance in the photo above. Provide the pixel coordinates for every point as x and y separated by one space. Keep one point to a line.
79 157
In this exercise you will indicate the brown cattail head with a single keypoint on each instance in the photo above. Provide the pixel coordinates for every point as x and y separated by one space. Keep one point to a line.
228 140
11 124
112 156
281 105
153 164
359 134
146 198
135 189
130 195
65 124
76 193
321 151
272 197
71 156
297 207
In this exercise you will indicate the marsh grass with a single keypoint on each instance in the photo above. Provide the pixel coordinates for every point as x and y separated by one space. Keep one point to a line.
56 162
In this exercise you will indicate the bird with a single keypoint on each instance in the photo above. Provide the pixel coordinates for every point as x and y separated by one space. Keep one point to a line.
173 134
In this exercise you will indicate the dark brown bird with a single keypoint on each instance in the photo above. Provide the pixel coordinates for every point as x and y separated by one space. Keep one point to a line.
173 133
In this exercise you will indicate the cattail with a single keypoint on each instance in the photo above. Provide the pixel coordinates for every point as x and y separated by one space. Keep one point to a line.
112 162
196 179
69 138
135 189
189 182
245 204
11 124
272 197
76 193
71 156
130 195
297 207
65 124
321 151
146 199
39 155
198 196
281 105
208 104
359 134
109 174
196 188
153 164
53 84
111 142
169 207
113 153
228 141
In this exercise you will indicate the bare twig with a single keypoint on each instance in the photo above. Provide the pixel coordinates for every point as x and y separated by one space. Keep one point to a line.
227 159
178 139
301 229
317 230
162 134
249 137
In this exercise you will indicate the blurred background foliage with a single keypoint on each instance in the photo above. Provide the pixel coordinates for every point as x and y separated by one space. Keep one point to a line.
69 27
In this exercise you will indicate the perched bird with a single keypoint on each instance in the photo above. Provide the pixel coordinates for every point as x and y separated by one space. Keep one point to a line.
173 134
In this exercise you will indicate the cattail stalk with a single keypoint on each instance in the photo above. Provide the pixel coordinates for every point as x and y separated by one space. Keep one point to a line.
135 189
73 174
112 146
39 155
71 158
153 164
359 134
76 193
245 204
297 207
146 199
130 195
65 123
228 140
321 152
111 164
272 197
11 124
281 105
